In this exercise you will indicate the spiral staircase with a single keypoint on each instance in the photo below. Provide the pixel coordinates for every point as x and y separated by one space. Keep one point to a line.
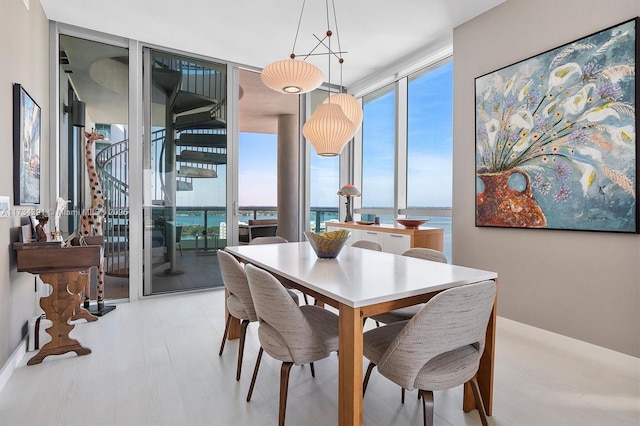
189 143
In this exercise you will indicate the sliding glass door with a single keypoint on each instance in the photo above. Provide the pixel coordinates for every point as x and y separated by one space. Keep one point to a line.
93 90
184 172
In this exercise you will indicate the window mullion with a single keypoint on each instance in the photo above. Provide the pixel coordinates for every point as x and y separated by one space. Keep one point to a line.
400 178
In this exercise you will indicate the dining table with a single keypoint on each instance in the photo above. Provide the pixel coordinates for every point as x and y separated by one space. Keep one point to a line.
360 283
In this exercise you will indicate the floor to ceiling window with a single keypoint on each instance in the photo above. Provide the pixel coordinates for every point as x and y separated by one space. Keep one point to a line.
378 153
257 176
267 128
430 145
409 173
93 88
185 172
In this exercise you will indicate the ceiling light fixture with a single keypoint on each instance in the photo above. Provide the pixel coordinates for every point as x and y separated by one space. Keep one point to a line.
350 106
293 76
336 120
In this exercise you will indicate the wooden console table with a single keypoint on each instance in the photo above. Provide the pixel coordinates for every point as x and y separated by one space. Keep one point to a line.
64 269
393 238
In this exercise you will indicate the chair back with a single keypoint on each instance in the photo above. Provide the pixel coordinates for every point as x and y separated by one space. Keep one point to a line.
277 310
268 240
178 233
426 254
235 281
366 244
455 319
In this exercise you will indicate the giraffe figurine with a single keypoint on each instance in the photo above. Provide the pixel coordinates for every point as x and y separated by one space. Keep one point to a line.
92 218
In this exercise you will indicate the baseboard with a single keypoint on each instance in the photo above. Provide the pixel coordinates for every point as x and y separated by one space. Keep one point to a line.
12 363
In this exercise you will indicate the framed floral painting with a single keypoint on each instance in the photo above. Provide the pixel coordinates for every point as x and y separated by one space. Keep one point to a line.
556 137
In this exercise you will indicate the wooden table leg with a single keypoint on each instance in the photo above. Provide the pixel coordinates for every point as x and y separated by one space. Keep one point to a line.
485 372
350 367
59 307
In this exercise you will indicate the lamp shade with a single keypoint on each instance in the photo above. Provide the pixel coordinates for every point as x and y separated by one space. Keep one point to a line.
328 130
350 106
349 190
292 76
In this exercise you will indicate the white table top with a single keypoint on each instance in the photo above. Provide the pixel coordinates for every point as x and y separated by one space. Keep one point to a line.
358 277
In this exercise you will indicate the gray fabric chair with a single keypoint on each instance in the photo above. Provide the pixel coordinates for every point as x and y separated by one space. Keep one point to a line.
366 244
274 240
407 313
268 240
239 301
289 333
439 348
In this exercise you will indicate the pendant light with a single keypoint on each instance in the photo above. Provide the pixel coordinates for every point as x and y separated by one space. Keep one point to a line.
292 76
335 121
350 106
328 130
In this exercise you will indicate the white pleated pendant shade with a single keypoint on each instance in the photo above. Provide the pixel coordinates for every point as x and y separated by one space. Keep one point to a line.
292 76
350 106
328 130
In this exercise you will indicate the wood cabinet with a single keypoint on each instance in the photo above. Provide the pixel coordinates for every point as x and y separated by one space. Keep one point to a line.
393 238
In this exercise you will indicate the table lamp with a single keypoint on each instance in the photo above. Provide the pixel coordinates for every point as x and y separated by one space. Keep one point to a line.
348 191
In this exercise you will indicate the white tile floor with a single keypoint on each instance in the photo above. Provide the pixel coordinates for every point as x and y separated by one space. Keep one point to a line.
155 362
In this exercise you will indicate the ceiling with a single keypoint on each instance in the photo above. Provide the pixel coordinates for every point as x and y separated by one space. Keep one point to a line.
375 34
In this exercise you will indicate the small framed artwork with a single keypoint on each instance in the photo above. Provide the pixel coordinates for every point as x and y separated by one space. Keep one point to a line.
556 137
26 147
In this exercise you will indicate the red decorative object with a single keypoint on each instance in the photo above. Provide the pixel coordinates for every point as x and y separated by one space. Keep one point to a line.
411 223
500 205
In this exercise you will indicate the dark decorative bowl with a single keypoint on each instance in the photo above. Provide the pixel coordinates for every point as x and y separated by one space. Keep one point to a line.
412 223
327 245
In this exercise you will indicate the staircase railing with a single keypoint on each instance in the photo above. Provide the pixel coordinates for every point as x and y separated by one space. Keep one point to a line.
197 79
113 168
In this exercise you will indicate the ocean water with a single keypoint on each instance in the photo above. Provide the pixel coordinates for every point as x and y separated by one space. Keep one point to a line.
194 222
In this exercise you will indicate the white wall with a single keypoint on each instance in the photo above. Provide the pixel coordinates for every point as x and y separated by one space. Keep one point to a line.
584 285
24 37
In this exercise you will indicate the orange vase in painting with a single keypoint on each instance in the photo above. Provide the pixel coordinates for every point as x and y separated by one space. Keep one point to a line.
506 201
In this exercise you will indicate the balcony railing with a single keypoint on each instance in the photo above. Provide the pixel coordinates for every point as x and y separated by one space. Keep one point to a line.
194 220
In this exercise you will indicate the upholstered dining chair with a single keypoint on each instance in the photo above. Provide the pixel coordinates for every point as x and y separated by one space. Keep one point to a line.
439 348
268 240
275 240
239 301
366 244
407 313
289 333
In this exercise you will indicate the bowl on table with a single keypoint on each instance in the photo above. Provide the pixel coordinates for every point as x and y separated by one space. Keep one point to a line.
412 223
327 245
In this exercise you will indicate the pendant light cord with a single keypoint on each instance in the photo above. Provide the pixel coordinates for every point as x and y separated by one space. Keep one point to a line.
340 60
329 55
295 40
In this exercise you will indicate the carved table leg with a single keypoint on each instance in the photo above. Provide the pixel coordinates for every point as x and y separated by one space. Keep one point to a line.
59 307
78 281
